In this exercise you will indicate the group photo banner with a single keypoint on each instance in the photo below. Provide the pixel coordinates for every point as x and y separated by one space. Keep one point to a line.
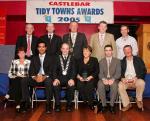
46 11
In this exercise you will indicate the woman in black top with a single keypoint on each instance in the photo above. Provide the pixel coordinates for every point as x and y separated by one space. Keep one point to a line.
88 69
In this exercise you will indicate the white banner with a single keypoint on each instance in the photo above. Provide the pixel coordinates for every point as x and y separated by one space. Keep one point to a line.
48 11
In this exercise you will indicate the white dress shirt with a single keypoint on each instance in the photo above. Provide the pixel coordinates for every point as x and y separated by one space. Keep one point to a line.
130 71
42 61
121 42
73 37
50 34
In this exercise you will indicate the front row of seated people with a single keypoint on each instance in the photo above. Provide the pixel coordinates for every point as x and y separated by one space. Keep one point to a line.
85 75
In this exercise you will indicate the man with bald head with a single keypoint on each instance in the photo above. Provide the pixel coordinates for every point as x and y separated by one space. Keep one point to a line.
76 40
28 41
53 41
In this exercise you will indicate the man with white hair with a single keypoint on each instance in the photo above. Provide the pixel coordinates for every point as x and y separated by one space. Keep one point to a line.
28 41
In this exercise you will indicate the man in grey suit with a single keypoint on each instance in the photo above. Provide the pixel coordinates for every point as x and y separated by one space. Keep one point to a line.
100 39
110 72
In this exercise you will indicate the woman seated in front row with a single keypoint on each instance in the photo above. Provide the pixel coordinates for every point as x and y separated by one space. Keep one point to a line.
88 69
18 74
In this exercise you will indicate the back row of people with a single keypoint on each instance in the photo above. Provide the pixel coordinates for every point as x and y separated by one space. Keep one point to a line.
77 41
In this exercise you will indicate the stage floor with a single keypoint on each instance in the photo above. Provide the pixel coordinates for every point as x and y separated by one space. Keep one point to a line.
82 114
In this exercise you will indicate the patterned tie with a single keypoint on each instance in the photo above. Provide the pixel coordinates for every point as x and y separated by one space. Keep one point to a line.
28 53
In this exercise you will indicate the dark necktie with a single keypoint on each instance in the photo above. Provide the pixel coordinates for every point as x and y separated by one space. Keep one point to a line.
50 37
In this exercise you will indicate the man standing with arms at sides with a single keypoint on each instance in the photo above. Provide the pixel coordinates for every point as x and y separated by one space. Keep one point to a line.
28 42
125 39
76 40
100 39
52 40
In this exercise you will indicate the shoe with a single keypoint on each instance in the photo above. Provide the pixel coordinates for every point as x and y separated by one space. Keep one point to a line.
18 108
97 108
91 107
112 109
69 108
57 108
127 107
5 100
48 108
25 106
103 109
140 105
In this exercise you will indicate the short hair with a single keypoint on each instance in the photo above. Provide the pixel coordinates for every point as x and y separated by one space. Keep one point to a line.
127 46
41 41
21 49
67 43
103 22
108 46
73 22
88 48
125 26
29 24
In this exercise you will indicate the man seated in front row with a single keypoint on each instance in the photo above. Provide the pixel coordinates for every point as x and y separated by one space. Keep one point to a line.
41 72
110 72
132 76
64 75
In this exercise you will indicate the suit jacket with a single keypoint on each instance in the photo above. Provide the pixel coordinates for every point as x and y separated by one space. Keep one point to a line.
139 67
35 65
80 42
53 47
114 69
57 72
98 50
22 42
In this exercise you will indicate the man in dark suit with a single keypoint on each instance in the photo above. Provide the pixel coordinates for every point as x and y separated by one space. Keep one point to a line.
110 72
133 72
76 40
64 76
52 40
41 72
28 41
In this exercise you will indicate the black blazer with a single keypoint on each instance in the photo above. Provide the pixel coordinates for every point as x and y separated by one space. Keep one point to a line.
35 66
139 67
57 73
53 48
92 67
22 42
80 42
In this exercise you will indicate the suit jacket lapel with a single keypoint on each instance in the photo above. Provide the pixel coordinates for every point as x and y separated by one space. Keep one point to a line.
25 42
111 66
77 39
98 41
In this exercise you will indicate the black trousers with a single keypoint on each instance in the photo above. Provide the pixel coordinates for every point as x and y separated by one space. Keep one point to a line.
69 91
19 89
86 90
47 83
